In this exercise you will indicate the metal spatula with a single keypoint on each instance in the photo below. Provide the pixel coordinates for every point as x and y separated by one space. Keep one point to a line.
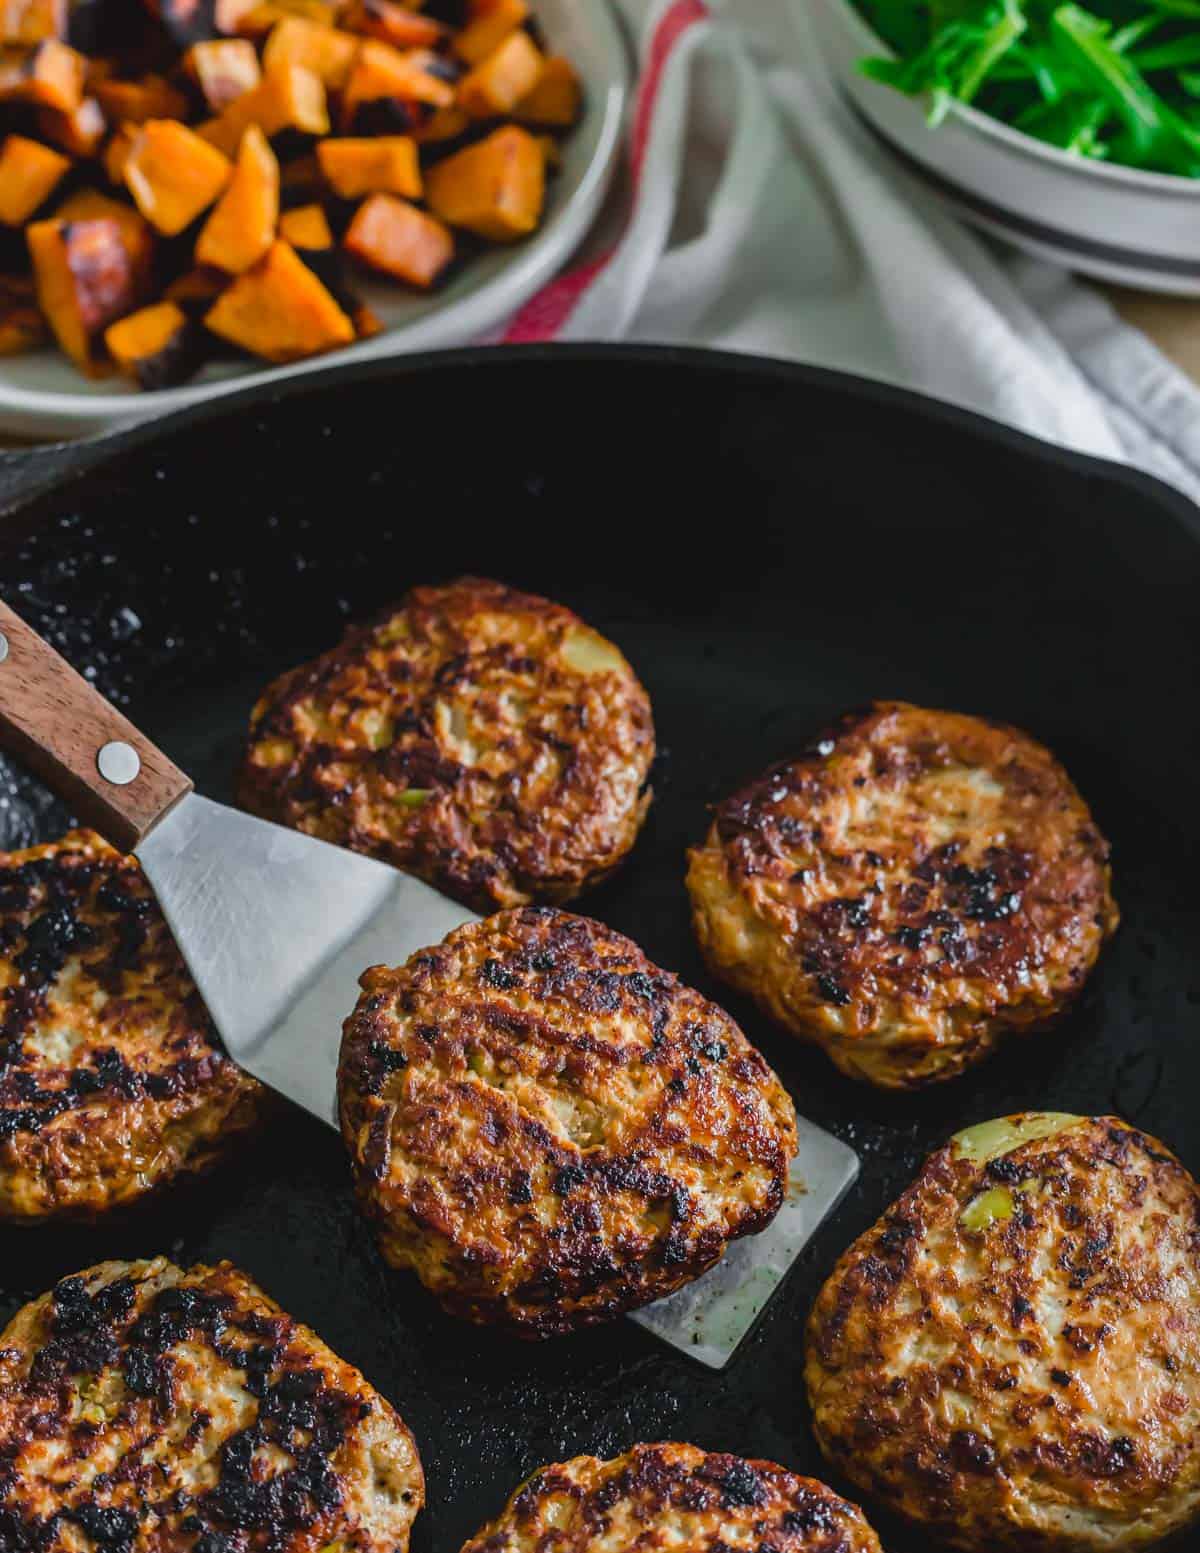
277 928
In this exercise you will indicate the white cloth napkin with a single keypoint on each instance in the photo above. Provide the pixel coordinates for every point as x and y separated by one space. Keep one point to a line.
763 218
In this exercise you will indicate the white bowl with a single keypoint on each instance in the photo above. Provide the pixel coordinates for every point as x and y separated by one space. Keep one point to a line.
1139 229
43 395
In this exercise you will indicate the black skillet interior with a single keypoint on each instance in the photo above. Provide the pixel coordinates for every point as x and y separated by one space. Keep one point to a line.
769 545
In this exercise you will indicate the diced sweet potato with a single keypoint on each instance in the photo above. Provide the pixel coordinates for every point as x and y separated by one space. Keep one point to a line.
51 75
289 97
445 124
242 225
305 227
173 175
29 172
32 21
116 153
92 205
392 23
494 188
197 289
492 21
22 326
324 50
497 84
158 346
256 19
390 235
280 310
551 152
197 21
86 279
367 323
133 102
80 132
382 72
555 97
386 165
223 69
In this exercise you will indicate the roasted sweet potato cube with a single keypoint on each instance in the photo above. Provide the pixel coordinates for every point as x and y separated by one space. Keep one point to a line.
51 75
32 21
555 97
195 21
22 326
392 23
381 71
367 322
492 21
494 188
116 153
197 289
445 124
133 102
393 236
257 19
80 132
174 175
223 69
386 165
324 50
158 346
280 310
86 279
305 227
495 86
92 205
29 172
288 97
242 225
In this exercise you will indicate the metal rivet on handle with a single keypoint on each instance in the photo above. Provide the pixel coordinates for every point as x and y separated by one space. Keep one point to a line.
3 646
119 763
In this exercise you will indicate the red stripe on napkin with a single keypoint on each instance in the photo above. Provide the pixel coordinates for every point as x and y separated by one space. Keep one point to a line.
545 314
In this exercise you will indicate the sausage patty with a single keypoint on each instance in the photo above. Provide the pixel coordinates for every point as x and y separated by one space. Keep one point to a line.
677 1497
1010 1358
550 1130
484 739
111 1077
906 891
144 1409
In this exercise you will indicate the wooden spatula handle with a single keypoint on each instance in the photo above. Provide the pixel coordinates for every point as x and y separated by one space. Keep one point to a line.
115 780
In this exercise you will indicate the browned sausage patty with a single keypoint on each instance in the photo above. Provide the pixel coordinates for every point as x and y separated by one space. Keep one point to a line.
111 1078
909 889
144 1409
550 1130
1011 1357
485 739
659 1497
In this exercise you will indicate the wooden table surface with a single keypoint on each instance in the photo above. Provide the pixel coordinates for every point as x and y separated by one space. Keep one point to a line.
1173 323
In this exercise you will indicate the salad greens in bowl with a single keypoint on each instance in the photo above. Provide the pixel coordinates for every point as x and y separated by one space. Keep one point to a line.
1119 80
1071 131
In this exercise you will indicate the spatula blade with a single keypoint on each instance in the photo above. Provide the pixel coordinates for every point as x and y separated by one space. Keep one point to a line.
277 928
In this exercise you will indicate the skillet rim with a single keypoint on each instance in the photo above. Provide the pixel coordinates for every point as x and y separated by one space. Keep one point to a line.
30 473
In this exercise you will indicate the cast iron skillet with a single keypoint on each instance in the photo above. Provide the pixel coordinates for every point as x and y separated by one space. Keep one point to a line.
769 544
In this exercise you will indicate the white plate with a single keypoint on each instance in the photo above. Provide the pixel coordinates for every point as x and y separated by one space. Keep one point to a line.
43 395
1140 229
